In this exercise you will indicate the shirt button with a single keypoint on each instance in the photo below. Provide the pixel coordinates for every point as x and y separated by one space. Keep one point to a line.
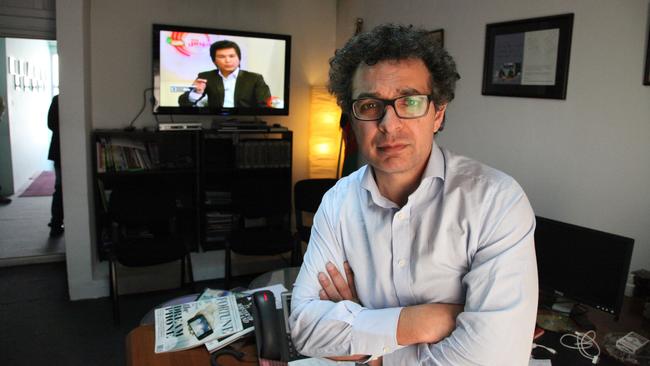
386 349
401 262
399 215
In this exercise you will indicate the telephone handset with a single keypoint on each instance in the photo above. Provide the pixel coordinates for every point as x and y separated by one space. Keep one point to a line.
266 325
272 332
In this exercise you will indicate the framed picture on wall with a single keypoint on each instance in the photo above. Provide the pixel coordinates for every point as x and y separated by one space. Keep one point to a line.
438 36
528 58
11 64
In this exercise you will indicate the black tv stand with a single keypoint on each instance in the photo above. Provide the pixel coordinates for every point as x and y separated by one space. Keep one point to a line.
200 168
235 125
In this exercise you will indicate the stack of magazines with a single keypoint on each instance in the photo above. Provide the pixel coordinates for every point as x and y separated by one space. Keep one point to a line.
216 319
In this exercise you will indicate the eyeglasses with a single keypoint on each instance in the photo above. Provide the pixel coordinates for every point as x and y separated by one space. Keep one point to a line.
407 107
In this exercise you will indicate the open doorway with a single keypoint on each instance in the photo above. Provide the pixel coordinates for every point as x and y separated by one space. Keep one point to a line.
27 86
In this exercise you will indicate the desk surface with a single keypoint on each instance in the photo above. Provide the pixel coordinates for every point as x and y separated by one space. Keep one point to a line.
140 345
631 319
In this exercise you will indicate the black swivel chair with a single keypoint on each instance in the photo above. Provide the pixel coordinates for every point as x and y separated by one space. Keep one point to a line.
144 233
262 215
307 195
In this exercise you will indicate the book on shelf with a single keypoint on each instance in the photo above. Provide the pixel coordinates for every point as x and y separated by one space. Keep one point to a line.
253 154
188 325
104 194
116 154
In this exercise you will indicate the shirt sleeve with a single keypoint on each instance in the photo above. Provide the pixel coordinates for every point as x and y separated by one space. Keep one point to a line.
325 328
497 324
194 96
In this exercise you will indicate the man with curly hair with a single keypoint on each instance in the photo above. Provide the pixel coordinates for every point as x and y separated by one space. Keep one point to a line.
422 256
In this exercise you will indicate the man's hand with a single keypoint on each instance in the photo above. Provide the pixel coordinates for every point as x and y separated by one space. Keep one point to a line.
199 85
335 287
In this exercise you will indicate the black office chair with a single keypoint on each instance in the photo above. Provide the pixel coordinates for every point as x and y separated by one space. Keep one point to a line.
144 233
307 195
261 220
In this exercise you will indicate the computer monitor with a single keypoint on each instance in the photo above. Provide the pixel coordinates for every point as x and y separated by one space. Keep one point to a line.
581 264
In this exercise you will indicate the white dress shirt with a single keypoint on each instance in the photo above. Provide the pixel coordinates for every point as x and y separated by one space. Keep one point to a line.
229 83
229 88
464 236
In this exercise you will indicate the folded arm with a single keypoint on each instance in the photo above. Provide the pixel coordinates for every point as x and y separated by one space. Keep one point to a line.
427 323
497 323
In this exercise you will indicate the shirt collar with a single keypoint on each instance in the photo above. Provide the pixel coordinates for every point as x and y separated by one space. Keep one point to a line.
436 165
234 74
435 169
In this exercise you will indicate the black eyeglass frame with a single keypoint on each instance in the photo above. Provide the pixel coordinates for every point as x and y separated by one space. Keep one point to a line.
391 102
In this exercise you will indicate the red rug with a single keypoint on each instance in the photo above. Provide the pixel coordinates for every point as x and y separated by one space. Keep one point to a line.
43 185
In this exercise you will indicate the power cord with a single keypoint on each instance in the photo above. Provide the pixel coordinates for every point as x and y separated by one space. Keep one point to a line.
549 349
144 105
583 342
230 352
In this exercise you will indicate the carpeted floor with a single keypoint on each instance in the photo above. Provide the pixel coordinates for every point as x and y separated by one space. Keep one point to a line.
42 327
43 185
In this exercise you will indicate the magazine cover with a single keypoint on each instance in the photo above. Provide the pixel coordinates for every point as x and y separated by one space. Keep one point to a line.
188 325
244 307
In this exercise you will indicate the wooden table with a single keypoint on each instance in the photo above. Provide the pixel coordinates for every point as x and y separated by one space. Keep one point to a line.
140 352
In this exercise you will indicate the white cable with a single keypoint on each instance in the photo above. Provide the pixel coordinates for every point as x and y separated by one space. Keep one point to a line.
583 342
535 345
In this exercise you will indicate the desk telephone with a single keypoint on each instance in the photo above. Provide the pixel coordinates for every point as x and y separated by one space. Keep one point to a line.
272 333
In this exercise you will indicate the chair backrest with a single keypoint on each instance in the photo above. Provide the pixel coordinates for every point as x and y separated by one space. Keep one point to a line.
141 206
307 195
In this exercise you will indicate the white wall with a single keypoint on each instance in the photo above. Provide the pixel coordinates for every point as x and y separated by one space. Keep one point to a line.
27 113
105 64
582 160
72 29
6 181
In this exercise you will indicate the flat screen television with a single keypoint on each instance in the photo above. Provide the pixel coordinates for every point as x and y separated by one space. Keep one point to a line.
581 264
183 63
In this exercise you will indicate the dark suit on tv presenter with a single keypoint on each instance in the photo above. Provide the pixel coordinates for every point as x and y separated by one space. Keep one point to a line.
250 89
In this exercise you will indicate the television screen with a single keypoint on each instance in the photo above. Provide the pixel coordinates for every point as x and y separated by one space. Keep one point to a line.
220 72
581 264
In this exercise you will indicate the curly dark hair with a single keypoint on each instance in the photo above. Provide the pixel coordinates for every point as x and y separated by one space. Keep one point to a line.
392 42
220 45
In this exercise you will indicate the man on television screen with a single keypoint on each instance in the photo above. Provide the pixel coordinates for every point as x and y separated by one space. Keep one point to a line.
227 86
422 256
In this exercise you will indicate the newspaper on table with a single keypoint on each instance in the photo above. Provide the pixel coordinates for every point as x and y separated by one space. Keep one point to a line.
230 315
245 304
172 330
244 307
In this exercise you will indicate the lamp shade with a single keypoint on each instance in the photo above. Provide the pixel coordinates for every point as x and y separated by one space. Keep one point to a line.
324 134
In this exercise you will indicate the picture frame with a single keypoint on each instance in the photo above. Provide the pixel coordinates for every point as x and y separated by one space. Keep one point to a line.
528 58
438 36
11 64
